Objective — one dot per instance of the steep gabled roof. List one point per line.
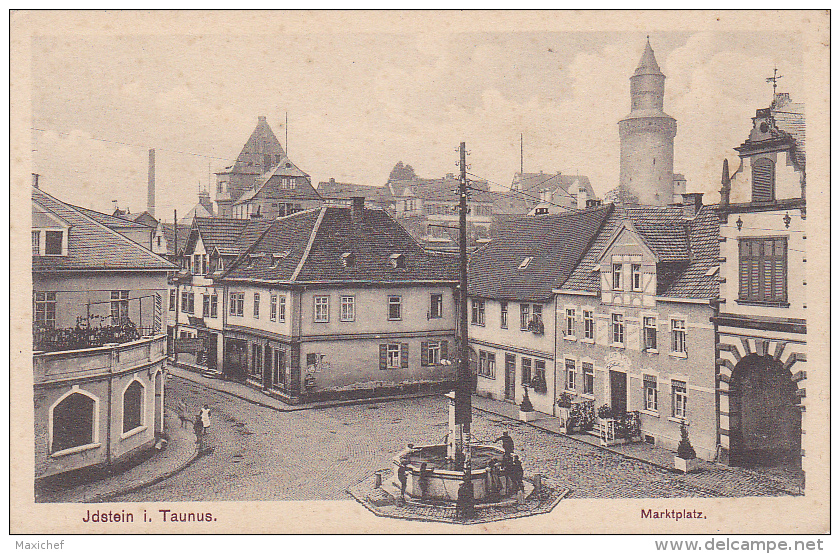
(308, 247)
(262, 142)
(92, 246)
(686, 249)
(532, 183)
(345, 191)
(269, 185)
(554, 244)
(217, 232)
(110, 221)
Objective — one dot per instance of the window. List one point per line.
(185, 301)
(256, 305)
(570, 375)
(432, 353)
(524, 316)
(132, 407)
(272, 307)
(173, 299)
(436, 307)
(649, 333)
(256, 361)
(348, 259)
(588, 325)
(539, 372)
(53, 245)
(394, 308)
(205, 305)
(537, 313)
(503, 322)
(396, 356)
(636, 276)
(45, 309)
(348, 308)
(763, 269)
(197, 265)
(73, 422)
(237, 304)
(679, 399)
(651, 393)
(678, 336)
(525, 262)
(191, 302)
(281, 309)
(526, 371)
(588, 378)
(214, 305)
(36, 243)
(570, 323)
(763, 180)
(322, 309)
(119, 306)
(487, 364)
(616, 271)
(477, 311)
(618, 328)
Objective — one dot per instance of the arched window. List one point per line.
(763, 180)
(73, 422)
(133, 406)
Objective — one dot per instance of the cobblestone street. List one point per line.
(262, 454)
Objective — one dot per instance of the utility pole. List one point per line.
(177, 290)
(463, 387)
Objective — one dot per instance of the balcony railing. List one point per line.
(89, 362)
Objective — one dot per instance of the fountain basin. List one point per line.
(443, 478)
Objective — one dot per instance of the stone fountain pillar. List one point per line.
(454, 439)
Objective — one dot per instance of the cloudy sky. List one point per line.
(359, 102)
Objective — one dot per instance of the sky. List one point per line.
(357, 103)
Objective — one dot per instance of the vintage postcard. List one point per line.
(420, 272)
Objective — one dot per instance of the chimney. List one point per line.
(150, 199)
(692, 202)
(260, 118)
(332, 180)
(35, 177)
(357, 212)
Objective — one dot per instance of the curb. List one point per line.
(105, 497)
(291, 408)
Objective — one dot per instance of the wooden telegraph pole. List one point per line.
(463, 388)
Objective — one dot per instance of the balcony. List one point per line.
(52, 367)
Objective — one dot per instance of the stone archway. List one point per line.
(765, 420)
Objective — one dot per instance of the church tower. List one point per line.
(647, 139)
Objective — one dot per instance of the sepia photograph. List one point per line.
(413, 272)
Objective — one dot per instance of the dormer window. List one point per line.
(763, 180)
(53, 243)
(525, 262)
(348, 259)
(397, 261)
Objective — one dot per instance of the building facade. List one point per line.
(99, 348)
(339, 301)
(761, 327)
(512, 304)
(634, 323)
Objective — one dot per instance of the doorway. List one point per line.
(510, 377)
(268, 366)
(618, 392)
(765, 421)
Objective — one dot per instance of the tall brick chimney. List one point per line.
(692, 202)
(150, 199)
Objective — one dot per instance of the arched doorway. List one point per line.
(765, 421)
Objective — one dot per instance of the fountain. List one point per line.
(436, 471)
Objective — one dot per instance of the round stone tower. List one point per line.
(647, 138)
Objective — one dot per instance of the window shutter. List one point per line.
(744, 269)
(763, 177)
(780, 271)
(444, 350)
(383, 356)
(404, 354)
(424, 354)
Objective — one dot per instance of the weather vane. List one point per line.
(774, 79)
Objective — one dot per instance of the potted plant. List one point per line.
(526, 409)
(564, 402)
(686, 459)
